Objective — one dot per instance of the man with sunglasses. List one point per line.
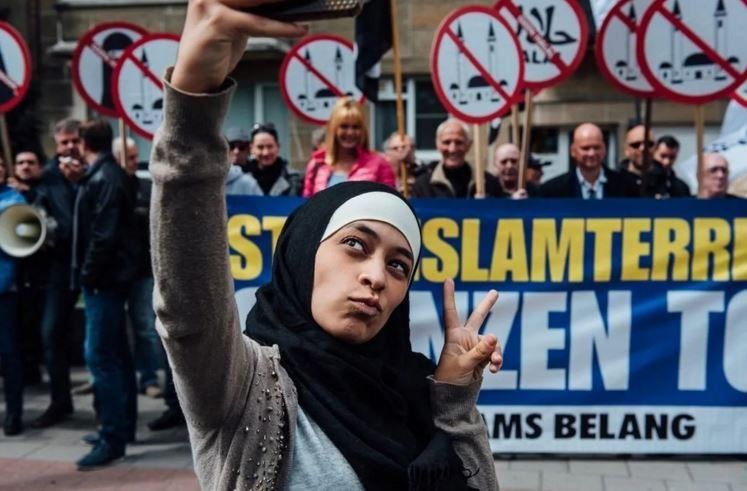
(640, 167)
(239, 147)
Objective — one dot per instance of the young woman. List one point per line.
(323, 390)
(270, 170)
(346, 155)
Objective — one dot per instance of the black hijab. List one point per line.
(372, 399)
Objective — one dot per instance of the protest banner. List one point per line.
(622, 332)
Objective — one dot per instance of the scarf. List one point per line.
(266, 176)
(372, 399)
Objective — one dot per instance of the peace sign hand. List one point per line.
(466, 353)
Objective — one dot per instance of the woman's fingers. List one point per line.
(254, 25)
(451, 316)
(482, 353)
(481, 312)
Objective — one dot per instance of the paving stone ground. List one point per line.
(44, 460)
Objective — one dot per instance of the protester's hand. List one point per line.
(214, 39)
(19, 186)
(72, 168)
(466, 353)
(520, 194)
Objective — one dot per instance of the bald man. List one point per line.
(651, 178)
(588, 178)
(507, 161)
(451, 177)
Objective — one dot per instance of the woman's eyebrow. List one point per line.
(374, 236)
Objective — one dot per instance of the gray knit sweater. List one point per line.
(241, 406)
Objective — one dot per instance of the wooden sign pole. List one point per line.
(398, 89)
(526, 138)
(647, 153)
(479, 163)
(7, 154)
(515, 124)
(699, 124)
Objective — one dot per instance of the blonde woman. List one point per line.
(346, 155)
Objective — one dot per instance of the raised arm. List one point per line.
(194, 296)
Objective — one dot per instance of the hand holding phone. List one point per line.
(307, 10)
(214, 39)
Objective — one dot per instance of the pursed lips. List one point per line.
(368, 305)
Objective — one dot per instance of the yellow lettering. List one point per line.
(471, 270)
(633, 249)
(247, 264)
(671, 238)
(567, 251)
(711, 239)
(509, 251)
(603, 230)
(274, 225)
(446, 263)
(739, 265)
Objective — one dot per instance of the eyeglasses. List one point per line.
(638, 144)
(264, 128)
(242, 146)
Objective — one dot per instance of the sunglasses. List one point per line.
(638, 144)
(242, 146)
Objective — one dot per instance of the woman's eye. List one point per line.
(354, 243)
(401, 267)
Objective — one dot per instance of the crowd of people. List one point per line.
(96, 213)
(97, 210)
(342, 152)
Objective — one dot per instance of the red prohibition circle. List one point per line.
(441, 32)
(662, 89)
(85, 40)
(293, 53)
(582, 42)
(737, 96)
(24, 87)
(117, 71)
(599, 52)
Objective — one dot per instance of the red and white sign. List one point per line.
(693, 51)
(552, 34)
(138, 90)
(616, 48)
(95, 59)
(15, 68)
(315, 73)
(476, 64)
(740, 95)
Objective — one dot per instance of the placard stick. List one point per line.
(479, 163)
(646, 130)
(123, 148)
(7, 155)
(398, 89)
(515, 124)
(526, 137)
(699, 123)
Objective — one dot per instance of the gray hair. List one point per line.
(67, 125)
(117, 144)
(465, 128)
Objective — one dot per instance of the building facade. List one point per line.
(53, 27)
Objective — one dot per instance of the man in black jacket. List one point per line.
(588, 178)
(56, 195)
(104, 263)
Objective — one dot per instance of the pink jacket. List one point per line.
(369, 167)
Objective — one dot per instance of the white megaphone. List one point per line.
(23, 230)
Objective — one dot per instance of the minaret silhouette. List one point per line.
(677, 53)
(631, 65)
(114, 44)
(338, 68)
(460, 35)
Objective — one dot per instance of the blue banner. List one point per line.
(623, 322)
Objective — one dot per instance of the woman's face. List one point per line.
(265, 149)
(361, 274)
(349, 134)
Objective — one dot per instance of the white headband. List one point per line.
(382, 207)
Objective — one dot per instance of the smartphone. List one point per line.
(307, 10)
